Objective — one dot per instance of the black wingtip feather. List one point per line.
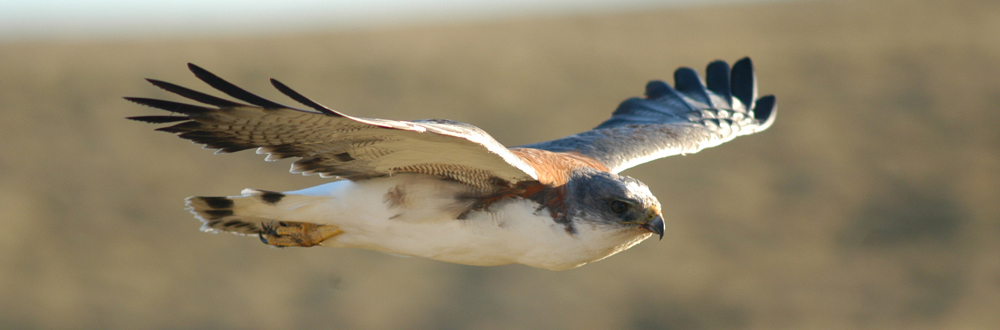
(187, 126)
(656, 89)
(717, 79)
(170, 105)
(194, 95)
(157, 119)
(765, 110)
(686, 81)
(284, 89)
(232, 90)
(744, 82)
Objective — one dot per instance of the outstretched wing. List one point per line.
(680, 120)
(334, 144)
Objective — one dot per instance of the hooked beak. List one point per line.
(655, 226)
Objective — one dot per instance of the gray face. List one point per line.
(611, 199)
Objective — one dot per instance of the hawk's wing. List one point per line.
(679, 120)
(333, 144)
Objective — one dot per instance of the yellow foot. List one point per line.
(291, 233)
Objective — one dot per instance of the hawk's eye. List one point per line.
(618, 206)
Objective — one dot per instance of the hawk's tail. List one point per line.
(247, 214)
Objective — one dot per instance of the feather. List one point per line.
(232, 90)
(187, 109)
(744, 82)
(157, 119)
(717, 77)
(688, 83)
(302, 99)
(195, 95)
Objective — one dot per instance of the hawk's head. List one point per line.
(612, 201)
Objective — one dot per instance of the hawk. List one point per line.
(447, 190)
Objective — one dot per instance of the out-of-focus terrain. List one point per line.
(872, 203)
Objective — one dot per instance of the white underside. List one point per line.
(422, 223)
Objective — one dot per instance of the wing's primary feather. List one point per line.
(333, 144)
(688, 83)
(671, 121)
(194, 95)
(302, 99)
(233, 90)
(717, 76)
(744, 83)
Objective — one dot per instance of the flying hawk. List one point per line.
(447, 190)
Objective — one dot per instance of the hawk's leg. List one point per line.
(291, 233)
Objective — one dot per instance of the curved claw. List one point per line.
(266, 229)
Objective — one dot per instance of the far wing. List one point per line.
(334, 144)
(680, 120)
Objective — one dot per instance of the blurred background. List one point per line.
(872, 203)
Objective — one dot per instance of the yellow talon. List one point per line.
(291, 233)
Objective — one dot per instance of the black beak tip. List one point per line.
(656, 226)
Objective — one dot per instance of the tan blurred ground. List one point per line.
(871, 204)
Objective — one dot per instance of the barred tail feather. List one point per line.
(245, 215)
